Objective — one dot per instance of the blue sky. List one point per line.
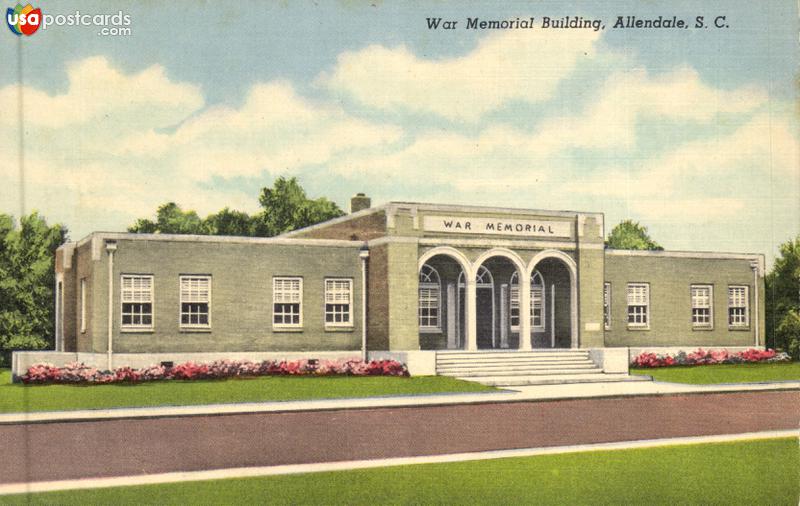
(692, 132)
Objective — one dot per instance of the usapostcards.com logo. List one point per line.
(23, 20)
(27, 20)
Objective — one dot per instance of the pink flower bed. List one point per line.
(81, 373)
(708, 357)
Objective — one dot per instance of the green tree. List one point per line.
(230, 222)
(783, 291)
(630, 234)
(171, 219)
(27, 276)
(286, 207)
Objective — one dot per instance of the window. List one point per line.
(195, 301)
(338, 302)
(702, 306)
(537, 302)
(513, 309)
(638, 305)
(607, 306)
(738, 310)
(429, 299)
(83, 305)
(287, 302)
(137, 302)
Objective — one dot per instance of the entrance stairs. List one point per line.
(519, 368)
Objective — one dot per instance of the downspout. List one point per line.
(363, 254)
(111, 247)
(755, 267)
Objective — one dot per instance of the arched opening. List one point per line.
(440, 324)
(493, 302)
(558, 328)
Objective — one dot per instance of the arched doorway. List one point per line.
(493, 308)
(439, 321)
(560, 300)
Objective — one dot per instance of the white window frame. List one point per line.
(333, 291)
(140, 327)
(83, 305)
(433, 289)
(700, 301)
(536, 287)
(607, 305)
(633, 303)
(743, 324)
(299, 302)
(513, 305)
(189, 277)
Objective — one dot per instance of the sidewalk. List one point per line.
(518, 394)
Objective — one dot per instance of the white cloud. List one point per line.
(518, 64)
(500, 157)
(100, 94)
(609, 121)
(123, 143)
(681, 183)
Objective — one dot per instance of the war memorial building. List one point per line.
(432, 285)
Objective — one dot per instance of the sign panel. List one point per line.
(497, 226)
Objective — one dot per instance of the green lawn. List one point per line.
(725, 373)
(750, 472)
(15, 397)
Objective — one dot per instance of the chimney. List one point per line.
(359, 202)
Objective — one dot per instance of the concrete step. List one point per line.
(511, 381)
(525, 373)
(515, 368)
(512, 353)
(512, 361)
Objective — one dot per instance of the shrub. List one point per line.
(81, 373)
(789, 332)
(708, 357)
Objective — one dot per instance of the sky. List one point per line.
(692, 132)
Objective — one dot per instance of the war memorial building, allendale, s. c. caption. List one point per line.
(436, 286)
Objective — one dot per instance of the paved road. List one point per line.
(54, 451)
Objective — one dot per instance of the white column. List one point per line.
(452, 335)
(524, 312)
(472, 325)
(504, 316)
(552, 315)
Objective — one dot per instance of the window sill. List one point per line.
(634, 327)
(429, 330)
(702, 329)
(190, 330)
(125, 330)
(339, 328)
(739, 328)
(287, 329)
